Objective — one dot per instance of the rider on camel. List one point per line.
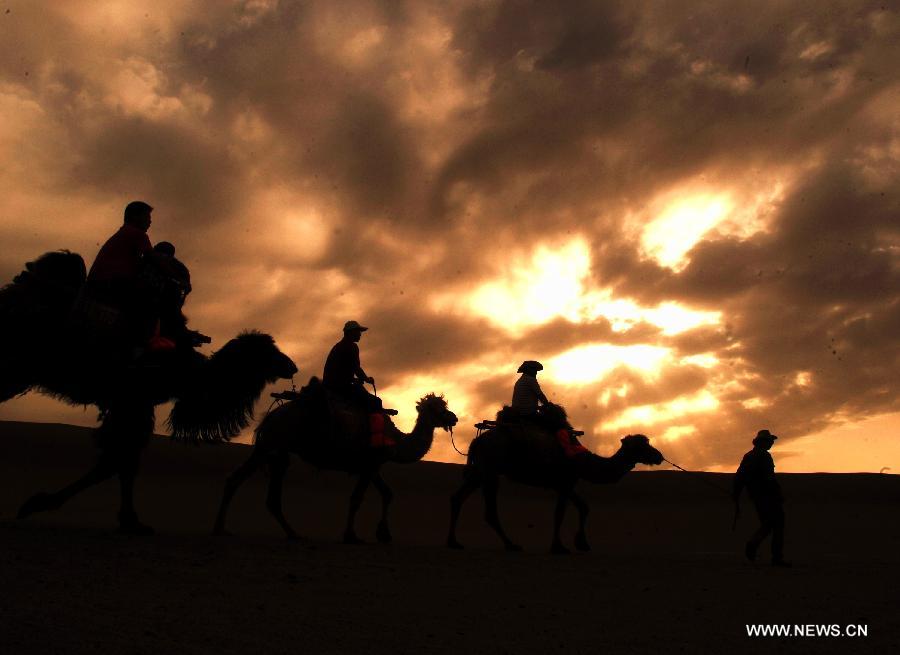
(528, 401)
(115, 270)
(170, 283)
(345, 377)
(115, 276)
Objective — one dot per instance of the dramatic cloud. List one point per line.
(687, 211)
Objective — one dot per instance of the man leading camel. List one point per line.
(345, 377)
(757, 473)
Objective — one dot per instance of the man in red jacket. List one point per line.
(115, 277)
(116, 267)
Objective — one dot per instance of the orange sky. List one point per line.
(689, 218)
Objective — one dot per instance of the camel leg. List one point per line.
(278, 466)
(470, 484)
(42, 502)
(356, 498)
(489, 490)
(128, 519)
(581, 542)
(383, 533)
(232, 484)
(558, 514)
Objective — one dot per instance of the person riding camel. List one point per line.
(529, 401)
(115, 269)
(115, 276)
(345, 377)
(527, 394)
(170, 283)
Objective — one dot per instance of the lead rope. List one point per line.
(697, 475)
(453, 443)
(737, 507)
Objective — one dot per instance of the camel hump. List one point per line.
(61, 267)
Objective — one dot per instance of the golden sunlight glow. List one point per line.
(553, 283)
(681, 224)
(677, 431)
(590, 363)
(704, 360)
(298, 232)
(643, 415)
(403, 395)
(674, 319)
(619, 392)
(534, 292)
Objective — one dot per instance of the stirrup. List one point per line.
(389, 412)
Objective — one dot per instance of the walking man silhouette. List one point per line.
(757, 473)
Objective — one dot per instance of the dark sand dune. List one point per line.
(666, 574)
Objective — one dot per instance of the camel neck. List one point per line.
(606, 469)
(415, 445)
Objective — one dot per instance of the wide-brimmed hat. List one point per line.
(764, 435)
(530, 365)
(349, 326)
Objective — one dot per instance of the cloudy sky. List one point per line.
(688, 211)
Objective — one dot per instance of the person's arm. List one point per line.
(540, 393)
(359, 373)
(144, 247)
(740, 480)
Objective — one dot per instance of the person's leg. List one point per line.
(765, 528)
(777, 514)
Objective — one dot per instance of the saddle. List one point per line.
(355, 420)
(553, 422)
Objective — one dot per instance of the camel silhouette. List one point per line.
(531, 454)
(334, 436)
(44, 349)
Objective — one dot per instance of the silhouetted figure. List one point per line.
(530, 404)
(116, 267)
(532, 456)
(168, 282)
(527, 393)
(117, 278)
(757, 473)
(344, 376)
(336, 442)
(42, 350)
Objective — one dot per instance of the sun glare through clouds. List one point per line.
(590, 363)
(551, 284)
(556, 282)
(681, 224)
(641, 416)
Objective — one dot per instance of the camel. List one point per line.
(336, 439)
(42, 348)
(532, 455)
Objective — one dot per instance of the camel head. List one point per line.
(254, 355)
(433, 409)
(637, 448)
(218, 402)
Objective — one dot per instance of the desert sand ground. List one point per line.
(666, 574)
